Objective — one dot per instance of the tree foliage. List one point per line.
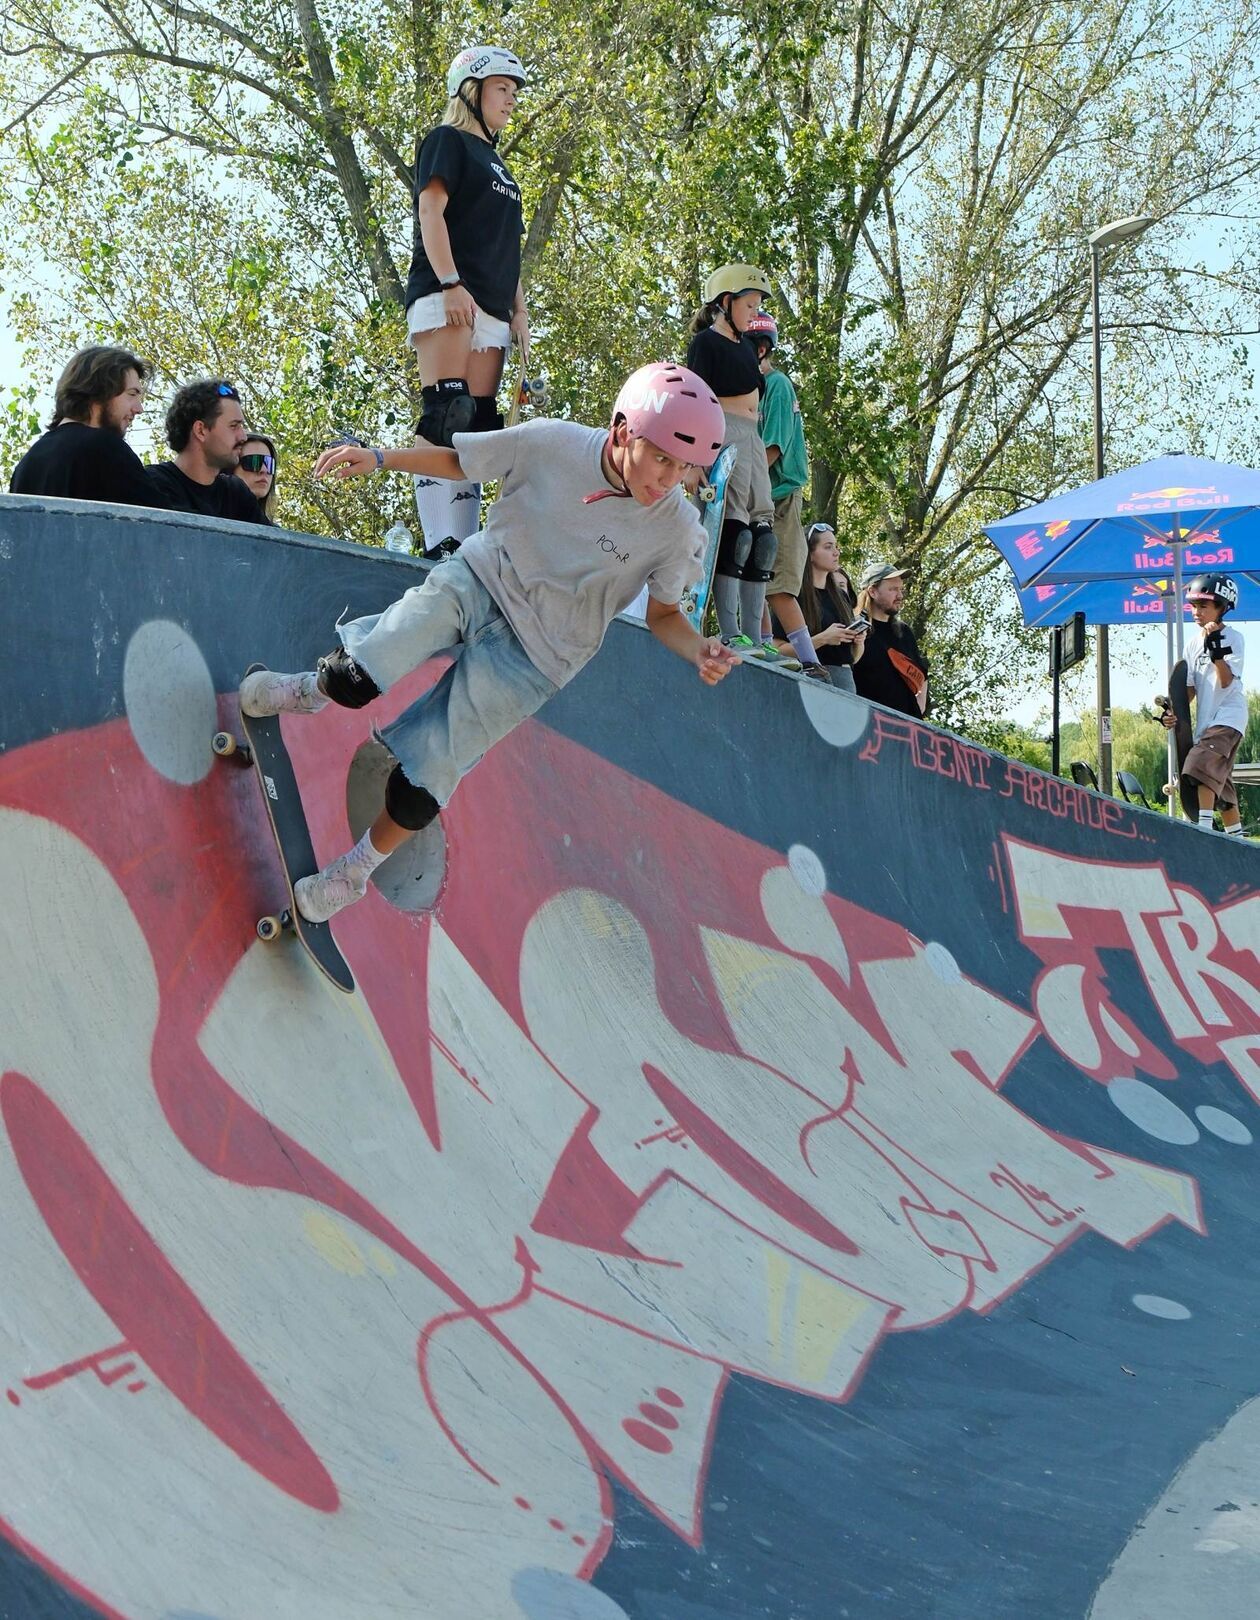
(228, 190)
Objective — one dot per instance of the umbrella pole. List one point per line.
(1171, 745)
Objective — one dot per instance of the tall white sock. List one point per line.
(1205, 818)
(447, 510)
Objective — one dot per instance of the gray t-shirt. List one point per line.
(1215, 705)
(561, 569)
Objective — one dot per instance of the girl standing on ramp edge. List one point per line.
(526, 602)
(464, 299)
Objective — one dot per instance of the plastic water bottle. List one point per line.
(399, 539)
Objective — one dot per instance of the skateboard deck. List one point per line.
(270, 758)
(711, 499)
(1178, 704)
(526, 390)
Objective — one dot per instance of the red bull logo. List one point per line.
(1173, 499)
(1196, 561)
(1058, 527)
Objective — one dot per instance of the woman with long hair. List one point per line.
(826, 603)
(256, 469)
(465, 304)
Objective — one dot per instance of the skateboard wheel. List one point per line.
(226, 746)
(269, 928)
(707, 493)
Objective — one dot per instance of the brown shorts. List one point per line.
(1211, 760)
(789, 564)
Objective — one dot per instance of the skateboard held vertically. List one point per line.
(1177, 703)
(527, 390)
(264, 749)
(711, 497)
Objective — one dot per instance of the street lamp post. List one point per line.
(1119, 230)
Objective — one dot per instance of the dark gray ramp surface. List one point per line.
(721, 1202)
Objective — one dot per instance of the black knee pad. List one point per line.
(448, 409)
(487, 418)
(410, 806)
(734, 548)
(341, 679)
(764, 548)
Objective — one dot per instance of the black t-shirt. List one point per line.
(227, 497)
(729, 368)
(483, 219)
(874, 674)
(84, 463)
(827, 616)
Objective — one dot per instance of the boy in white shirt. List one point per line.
(526, 602)
(1214, 668)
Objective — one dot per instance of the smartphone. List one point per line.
(861, 623)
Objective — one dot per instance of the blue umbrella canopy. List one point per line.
(1123, 526)
(1123, 601)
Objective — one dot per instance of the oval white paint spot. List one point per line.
(1170, 1310)
(807, 869)
(169, 697)
(838, 718)
(942, 963)
(1152, 1112)
(548, 1594)
(1223, 1125)
(1215, 1544)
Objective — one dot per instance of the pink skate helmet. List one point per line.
(673, 409)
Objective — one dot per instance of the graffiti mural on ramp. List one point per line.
(718, 1203)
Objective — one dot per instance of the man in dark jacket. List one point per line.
(205, 427)
(85, 455)
(892, 670)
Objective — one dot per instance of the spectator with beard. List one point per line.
(84, 455)
(892, 670)
(205, 427)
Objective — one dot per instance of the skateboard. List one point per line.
(1177, 703)
(711, 497)
(264, 749)
(531, 391)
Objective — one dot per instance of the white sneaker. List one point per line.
(266, 692)
(326, 893)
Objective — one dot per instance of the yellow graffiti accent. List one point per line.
(739, 969)
(807, 1323)
(333, 1243)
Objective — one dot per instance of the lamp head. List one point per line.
(1119, 230)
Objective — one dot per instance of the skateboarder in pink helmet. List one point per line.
(524, 603)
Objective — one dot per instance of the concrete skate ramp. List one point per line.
(800, 1166)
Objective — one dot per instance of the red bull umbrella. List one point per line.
(1166, 519)
(1124, 601)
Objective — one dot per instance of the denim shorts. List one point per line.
(491, 687)
(428, 314)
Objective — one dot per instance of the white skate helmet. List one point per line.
(484, 62)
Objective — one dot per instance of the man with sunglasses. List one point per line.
(205, 427)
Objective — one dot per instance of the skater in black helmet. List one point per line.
(1214, 681)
